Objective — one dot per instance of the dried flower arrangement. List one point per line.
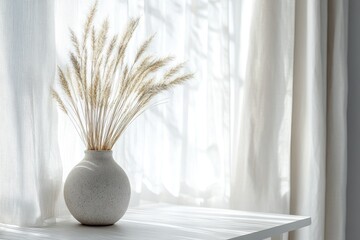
(102, 92)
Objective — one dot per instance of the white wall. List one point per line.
(353, 185)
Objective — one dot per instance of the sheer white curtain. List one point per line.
(261, 127)
(30, 167)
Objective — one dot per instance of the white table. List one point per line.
(170, 222)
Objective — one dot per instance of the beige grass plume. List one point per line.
(101, 92)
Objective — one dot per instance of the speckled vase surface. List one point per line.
(97, 190)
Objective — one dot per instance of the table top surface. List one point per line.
(169, 222)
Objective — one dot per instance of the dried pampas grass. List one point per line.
(101, 92)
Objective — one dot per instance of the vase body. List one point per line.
(97, 190)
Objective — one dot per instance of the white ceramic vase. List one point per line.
(97, 190)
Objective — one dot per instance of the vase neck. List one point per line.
(95, 155)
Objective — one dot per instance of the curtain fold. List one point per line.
(261, 158)
(318, 147)
(30, 167)
(261, 127)
(308, 146)
(336, 151)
